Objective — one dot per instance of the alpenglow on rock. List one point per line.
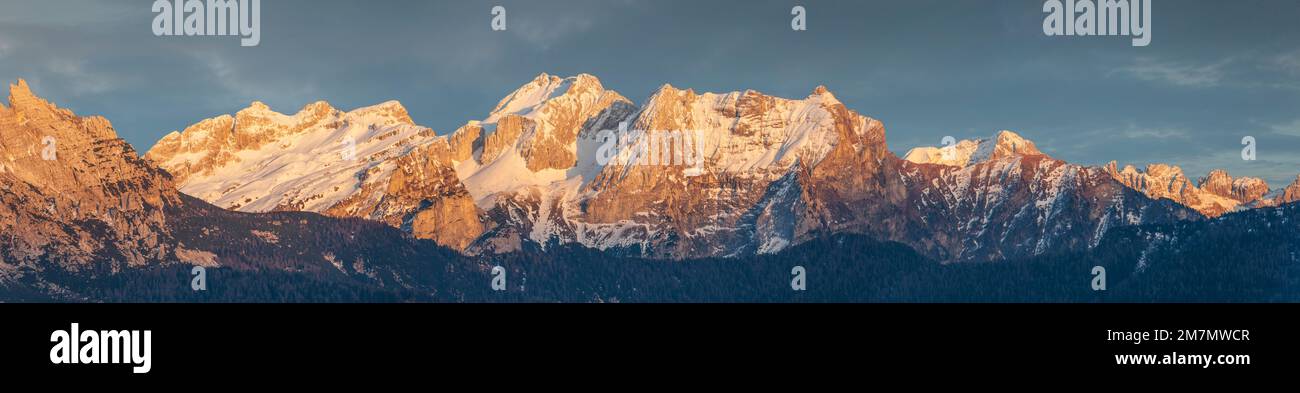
(775, 172)
(372, 163)
(72, 192)
(78, 207)
(1213, 196)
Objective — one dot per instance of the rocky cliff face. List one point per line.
(1244, 190)
(1010, 201)
(1213, 196)
(74, 192)
(1281, 196)
(422, 196)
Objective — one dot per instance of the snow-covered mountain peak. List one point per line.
(823, 95)
(544, 78)
(668, 91)
(970, 152)
(1005, 144)
(586, 82)
(531, 138)
(1015, 143)
(259, 119)
(246, 161)
(261, 109)
(748, 133)
(528, 98)
(387, 113)
(258, 107)
(957, 155)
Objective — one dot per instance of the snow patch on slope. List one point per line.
(310, 170)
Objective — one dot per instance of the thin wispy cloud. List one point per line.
(71, 13)
(1134, 132)
(1288, 62)
(233, 82)
(545, 33)
(1176, 73)
(80, 78)
(1291, 128)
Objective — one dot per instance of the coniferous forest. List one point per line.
(1245, 257)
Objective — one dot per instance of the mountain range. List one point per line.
(774, 176)
(370, 204)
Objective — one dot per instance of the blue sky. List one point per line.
(1214, 72)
